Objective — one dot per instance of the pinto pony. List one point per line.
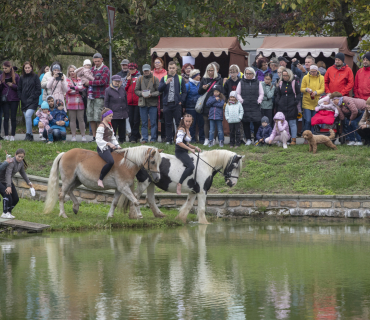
(171, 170)
(80, 166)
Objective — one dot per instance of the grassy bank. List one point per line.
(265, 169)
(91, 217)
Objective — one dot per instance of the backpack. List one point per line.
(180, 80)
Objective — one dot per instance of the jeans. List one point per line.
(307, 114)
(213, 124)
(28, 116)
(152, 112)
(171, 111)
(54, 135)
(293, 128)
(353, 126)
(197, 120)
(9, 106)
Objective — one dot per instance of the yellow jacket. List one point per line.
(317, 84)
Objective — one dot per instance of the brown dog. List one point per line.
(314, 140)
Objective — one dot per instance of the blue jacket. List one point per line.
(192, 95)
(264, 132)
(216, 111)
(163, 87)
(275, 77)
(58, 115)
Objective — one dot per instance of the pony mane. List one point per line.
(217, 158)
(137, 155)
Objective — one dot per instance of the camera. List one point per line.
(60, 75)
(295, 63)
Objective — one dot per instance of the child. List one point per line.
(326, 104)
(215, 116)
(58, 115)
(264, 131)
(7, 188)
(234, 114)
(280, 133)
(44, 117)
(85, 74)
(268, 97)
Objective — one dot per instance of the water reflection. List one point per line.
(227, 270)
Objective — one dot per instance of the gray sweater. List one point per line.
(11, 169)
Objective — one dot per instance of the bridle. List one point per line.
(227, 172)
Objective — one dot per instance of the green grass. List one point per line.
(92, 217)
(265, 169)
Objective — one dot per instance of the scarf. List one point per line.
(195, 82)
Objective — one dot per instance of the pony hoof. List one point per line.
(136, 203)
(160, 215)
(64, 216)
(204, 222)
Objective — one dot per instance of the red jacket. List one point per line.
(362, 83)
(339, 80)
(132, 98)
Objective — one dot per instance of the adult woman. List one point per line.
(286, 101)
(262, 69)
(116, 100)
(29, 90)
(364, 125)
(250, 94)
(107, 142)
(159, 72)
(7, 188)
(57, 84)
(211, 80)
(42, 72)
(192, 96)
(183, 146)
(45, 79)
(351, 111)
(313, 86)
(9, 87)
(74, 103)
(185, 71)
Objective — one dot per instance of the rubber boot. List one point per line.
(30, 137)
(294, 142)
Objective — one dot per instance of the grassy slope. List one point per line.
(265, 169)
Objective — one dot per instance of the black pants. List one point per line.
(106, 155)
(188, 163)
(119, 124)
(171, 111)
(10, 106)
(134, 119)
(364, 134)
(267, 113)
(234, 134)
(247, 129)
(9, 200)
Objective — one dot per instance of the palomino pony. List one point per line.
(80, 166)
(171, 170)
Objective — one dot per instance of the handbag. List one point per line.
(200, 101)
(4, 97)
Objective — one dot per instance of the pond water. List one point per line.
(226, 270)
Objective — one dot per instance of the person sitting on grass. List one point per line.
(107, 142)
(58, 123)
(264, 131)
(280, 133)
(7, 188)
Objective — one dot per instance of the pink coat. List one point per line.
(84, 74)
(279, 127)
(58, 89)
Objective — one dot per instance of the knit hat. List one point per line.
(194, 73)
(265, 119)
(283, 59)
(87, 61)
(55, 66)
(59, 102)
(97, 55)
(340, 56)
(125, 61)
(116, 78)
(132, 65)
(367, 56)
(314, 67)
(146, 67)
(44, 105)
(233, 94)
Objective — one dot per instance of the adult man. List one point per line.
(283, 61)
(339, 77)
(174, 95)
(99, 84)
(362, 80)
(274, 66)
(124, 72)
(299, 70)
(147, 103)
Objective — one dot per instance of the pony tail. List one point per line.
(25, 164)
(182, 121)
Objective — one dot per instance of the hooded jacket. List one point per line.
(29, 90)
(268, 97)
(132, 98)
(216, 108)
(349, 107)
(264, 132)
(317, 84)
(340, 80)
(260, 74)
(279, 127)
(362, 83)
